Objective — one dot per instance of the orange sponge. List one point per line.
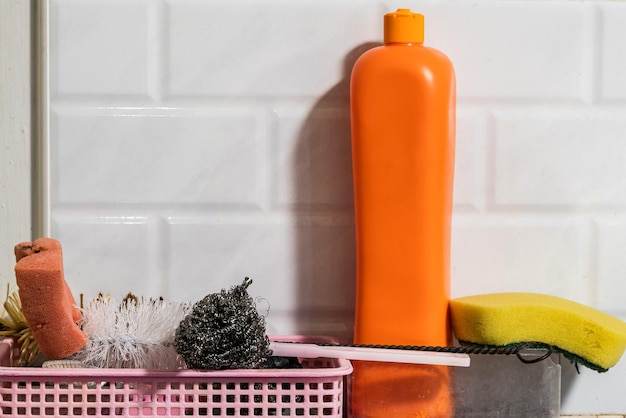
(47, 301)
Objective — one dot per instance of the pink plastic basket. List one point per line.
(315, 390)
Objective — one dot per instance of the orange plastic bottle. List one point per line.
(403, 134)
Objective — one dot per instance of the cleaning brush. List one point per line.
(133, 333)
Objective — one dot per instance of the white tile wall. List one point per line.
(194, 143)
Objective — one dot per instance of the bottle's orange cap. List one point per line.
(404, 26)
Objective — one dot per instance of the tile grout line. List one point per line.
(590, 75)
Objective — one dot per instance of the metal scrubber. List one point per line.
(224, 331)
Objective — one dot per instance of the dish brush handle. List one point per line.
(301, 350)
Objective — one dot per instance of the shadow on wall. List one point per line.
(325, 238)
(569, 374)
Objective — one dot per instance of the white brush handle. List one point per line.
(370, 354)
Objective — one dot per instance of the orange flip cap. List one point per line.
(404, 26)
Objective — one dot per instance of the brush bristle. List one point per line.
(131, 334)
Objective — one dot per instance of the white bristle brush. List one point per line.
(134, 333)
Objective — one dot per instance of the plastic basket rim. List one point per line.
(343, 368)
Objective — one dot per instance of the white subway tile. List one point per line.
(109, 254)
(297, 265)
(100, 48)
(336, 323)
(517, 253)
(207, 254)
(510, 50)
(552, 158)
(264, 49)
(130, 156)
(611, 263)
(313, 167)
(470, 160)
(586, 391)
(613, 50)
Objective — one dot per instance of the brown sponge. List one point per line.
(47, 301)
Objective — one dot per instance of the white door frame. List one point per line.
(23, 127)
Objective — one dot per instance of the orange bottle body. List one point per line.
(403, 138)
(403, 130)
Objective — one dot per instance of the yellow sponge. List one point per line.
(583, 334)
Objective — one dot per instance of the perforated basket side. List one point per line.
(315, 390)
(173, 398)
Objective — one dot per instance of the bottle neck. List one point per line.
(403, 44)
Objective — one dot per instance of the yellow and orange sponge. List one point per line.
(583, 334)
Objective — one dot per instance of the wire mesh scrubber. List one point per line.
(224, 331)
